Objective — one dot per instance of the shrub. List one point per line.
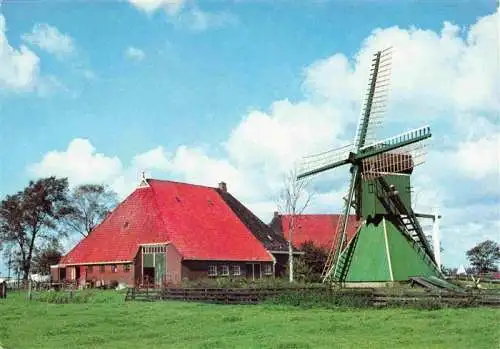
(321, 297)
(64, 297)
(225, 282)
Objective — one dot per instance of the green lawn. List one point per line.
(109, 322)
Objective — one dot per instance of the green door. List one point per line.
(159, 268)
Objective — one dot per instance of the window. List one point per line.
(114, 268)
(101, 268)
(212, 270)
(126, 268)
(236, 270)
(224, 270)
(89, 269)
(268, 269)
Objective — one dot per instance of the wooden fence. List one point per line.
(374, 297)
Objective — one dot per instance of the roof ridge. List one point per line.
(182, 183)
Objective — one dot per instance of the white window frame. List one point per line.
(224, 270)
(212, 270)
(268, 269)
(236, 269)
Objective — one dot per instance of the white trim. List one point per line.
(387, 250)
(155, 243)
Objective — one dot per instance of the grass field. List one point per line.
(108, 322)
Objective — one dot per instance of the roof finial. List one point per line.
(144, 181)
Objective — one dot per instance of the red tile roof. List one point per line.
(195, 219)
(318, 228)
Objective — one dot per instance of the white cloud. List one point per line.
(79, 162)
(170, 6)
(460, 74)
(134, 53)
(19, 68)
(199, 20)
(186, 14)
(50, 39)
(154, 159)
(479, 159)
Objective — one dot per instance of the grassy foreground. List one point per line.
(108, 322)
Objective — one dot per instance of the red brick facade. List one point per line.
(96, 275)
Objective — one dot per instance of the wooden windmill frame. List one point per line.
(379, 192)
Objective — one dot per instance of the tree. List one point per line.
(90, 204)
(310, 265)
(292, 201)
(49, 254)
(484, 256)
(31, 216)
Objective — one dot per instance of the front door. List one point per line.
(148, 275)
(154, 264)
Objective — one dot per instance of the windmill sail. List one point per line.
(317, 163)
(389, 244)
(375, 101)
(403, 153)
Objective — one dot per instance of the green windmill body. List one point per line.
(389, 244)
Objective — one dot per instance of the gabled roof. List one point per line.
(273, 241)
(318, 228)
(195, 219)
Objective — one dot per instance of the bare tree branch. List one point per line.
(292, 200)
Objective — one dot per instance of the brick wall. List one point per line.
(174, 270)
(104, 273)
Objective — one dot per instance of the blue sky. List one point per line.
(217, 90)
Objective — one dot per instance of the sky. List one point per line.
(238, 91)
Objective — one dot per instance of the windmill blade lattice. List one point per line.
(375, 99)
(401, 160)
(317, 162)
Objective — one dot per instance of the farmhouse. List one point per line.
(317, 228)
(168, 231)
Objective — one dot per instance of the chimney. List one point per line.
(276, 214)
(223, 187)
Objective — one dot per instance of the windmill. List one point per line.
(389, 244)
